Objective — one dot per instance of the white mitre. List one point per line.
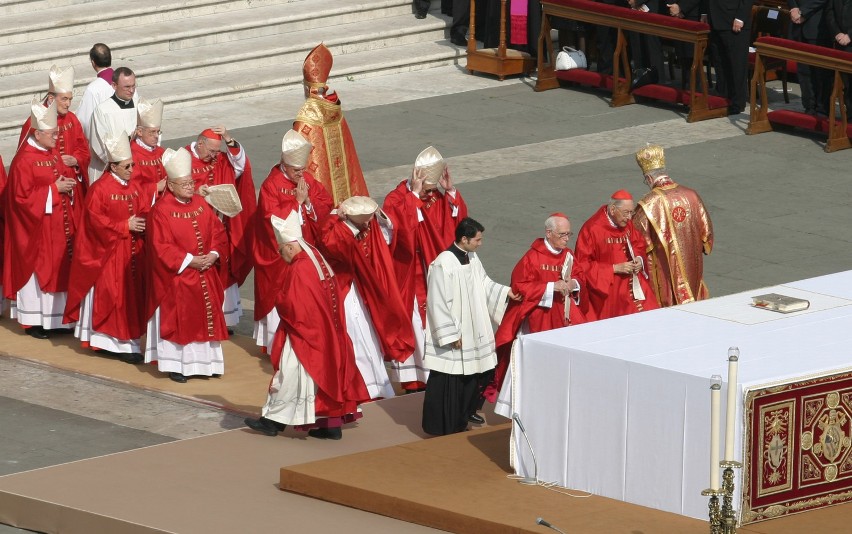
(178, 163)
(118, 147)
(432, 164)
(358, 205)
(149, 113)
(289, 230)
(295, 149)
(61, 80)
(42, 118)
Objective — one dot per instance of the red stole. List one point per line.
(39, 243)
(111, 258)
(190, 302)
(366, 258)
(278, 197)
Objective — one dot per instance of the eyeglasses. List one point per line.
(562, 235)
(626, 213)
(127, 166)
(185, 183)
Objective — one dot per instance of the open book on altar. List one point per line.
(780, 303)
(225, 199)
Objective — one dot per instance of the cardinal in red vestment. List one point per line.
(186, 241)
(71, 144)
(217, 159)
(43, 203)
(677, 229)
(611, 253)
(148, 171)
(288, 187)
(355, 240)
(3, 180)
(316, 386)
(106, 296)
(425, 220)
(334, 161)
(550, 283)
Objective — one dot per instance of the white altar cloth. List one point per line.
(621, 408)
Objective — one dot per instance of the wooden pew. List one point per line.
(624, 20)
(818, 56)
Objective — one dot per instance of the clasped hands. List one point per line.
(136, 224)
(628, 267)
(565, 287)
(202, 263)
(65, 185)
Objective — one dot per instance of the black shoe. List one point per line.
(458, 40)
(476, 418)
(37, 332)
(264, 425)
(131, 357)
(230, 331)
(215, 375)
(326, 433)
(734, 110)
(420, 15)
(177, 377)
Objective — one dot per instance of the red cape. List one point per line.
(71, 142)
(599, 246)
(278, 197)
(367, 259)
(418, 244)
(190, 302)
(240, 234)
(312, 318)
(111, 258)
(3, 180)
(40, 244)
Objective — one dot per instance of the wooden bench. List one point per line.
(625, 20)
(818, 56)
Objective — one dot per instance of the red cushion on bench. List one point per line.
(626, 13)
(798, 119)
(804, 47)
(677, 96)
(585, 77)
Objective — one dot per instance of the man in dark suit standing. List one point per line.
(838, 21)
(807, 27)
(730, 21)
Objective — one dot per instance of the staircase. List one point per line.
(194, 52)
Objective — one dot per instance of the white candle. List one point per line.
(715, 412)
(731, 405)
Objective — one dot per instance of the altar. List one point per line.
(621, 408)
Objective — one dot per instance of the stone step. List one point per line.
(352, 60)
(244, 54)
(219, 28)
(86, 17)
(8, 7)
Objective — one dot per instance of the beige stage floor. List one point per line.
(242, 388)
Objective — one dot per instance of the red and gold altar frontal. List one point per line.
(798, 447)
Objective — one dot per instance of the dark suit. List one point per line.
(813, 81)
(732, 49)
(838, 19)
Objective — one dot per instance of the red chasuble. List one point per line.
(217, 172)
(190, 302)
(148, 169)
(71, 142)
(38, 242)
(3, 181)
(278, 197)
(108, 256)
(311, 313)
(419, 243)
(538, 267)
(600, 245)
(367, 260)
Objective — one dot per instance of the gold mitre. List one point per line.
(432, 164)
(317, 66)
(651, 157)
(60, 80)
(149, 113)
(358, 205)
(42, 118)
(295, 149)
(287, 230)
(118, 147)
(178, 163)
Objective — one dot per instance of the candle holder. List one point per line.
(715, 510)
(729, 515)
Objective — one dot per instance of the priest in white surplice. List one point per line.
(461, 309)
(112, 116)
